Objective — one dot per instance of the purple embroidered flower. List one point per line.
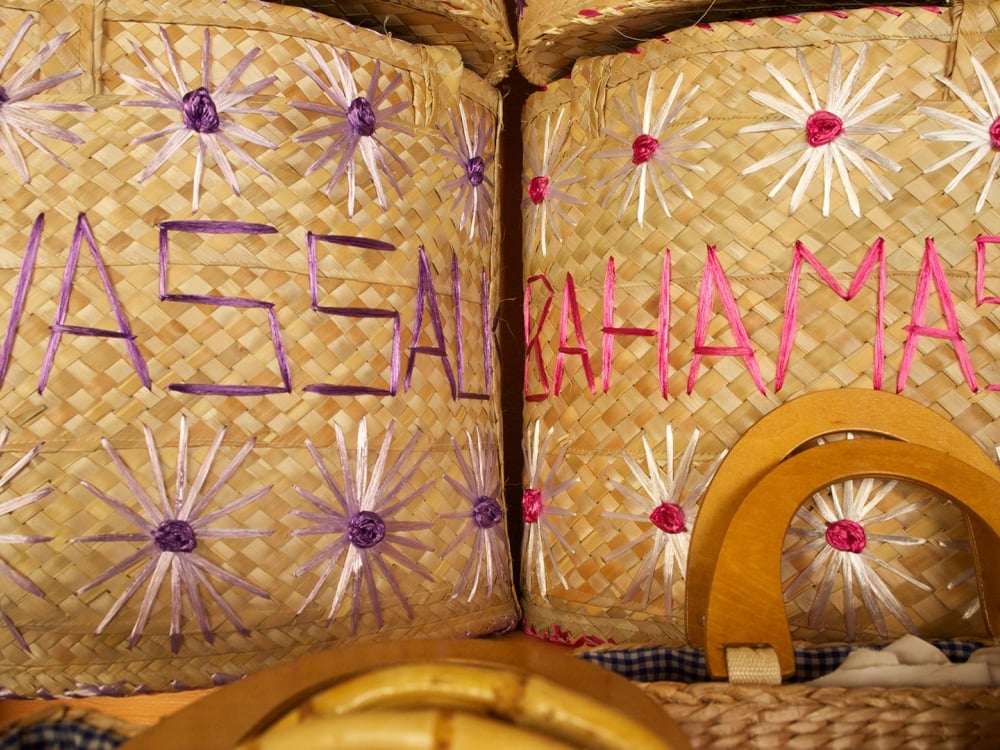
(650, 151)
(471, 148)
(836, 538)
(537, 511)
(6, 508)
(479, 487)
(670, 507)
(365, 534)
(18, 105)
(170, 531)
(360, 118)
(205, 114)
(547, 185)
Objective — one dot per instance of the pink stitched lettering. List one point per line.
(224, 227)
(981, 298)
(533, 347)
(789, 328)
(20, 293)
(427, 296)
(931, 271)
(59, 327)
(714, 281)
(357, 313)
(485, 328)
(609, 329)
(570, 310)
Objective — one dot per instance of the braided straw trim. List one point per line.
(718, 715)
(478, 29)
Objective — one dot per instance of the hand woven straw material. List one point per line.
(137, 552)
(662, 161)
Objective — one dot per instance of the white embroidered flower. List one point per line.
(828, 142)
(981, 135)
(838, 540)
(545, 185)
(536, 510)
(652, 149)
(667, 509)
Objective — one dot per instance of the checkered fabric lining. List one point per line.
(657, 664)
(60, 734)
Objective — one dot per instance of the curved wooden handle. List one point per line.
(778, 434)
(745, 602)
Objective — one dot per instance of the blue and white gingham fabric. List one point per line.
(659, 664)
(60, 734)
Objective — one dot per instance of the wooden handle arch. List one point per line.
(745, 602)
(786, 429)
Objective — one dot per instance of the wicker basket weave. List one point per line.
(261, 378)
(478, 29)
(677, 278)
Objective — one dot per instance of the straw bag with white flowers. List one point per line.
(721, 220)
(247, 382)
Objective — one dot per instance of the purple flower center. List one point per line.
(365, 529)
(531, 505)
(486, 512)
(175, 536)
(199, 112)
(644, 148)
(5, 97)
(822, 127)
(475, 171)
(668, 517)
(361, 117)
(994, 131)
(538, 188)
(846, 535)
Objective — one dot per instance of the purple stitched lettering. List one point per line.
(20, 293)
(485, 328)
(427, 296)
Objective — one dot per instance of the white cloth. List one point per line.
(913, 662)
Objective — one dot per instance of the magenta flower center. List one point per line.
(822, 127)
(475, 171)
(361, 117)
(846, 535)
(365, 529)
(175, 536)
(668, 517)
(531, 505)
(644, 148)
(994, 132)
(198, 111)
(486, 512)
(538, 188)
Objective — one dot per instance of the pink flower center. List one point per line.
(643, 148)
(538, 188)
(995, 133)
(846, 535)
(531, 505)
(822, 127)
(668, 517)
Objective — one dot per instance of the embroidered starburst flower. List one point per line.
(669, 512)
(18, 107)
(204, 114)
(652, 149)
(838, 539)
(7, 507)
(173, 533)
(480, 485)
(365, 534)
(536, 510)
(360, 116)
(472, 149)
(981, 135)
(828, 143)
(545, 186)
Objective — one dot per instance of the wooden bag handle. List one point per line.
(745, 604)
(781, 432)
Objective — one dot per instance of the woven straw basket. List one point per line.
(478, 29)
(728, 218)
(552, 34)
(248, 384)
